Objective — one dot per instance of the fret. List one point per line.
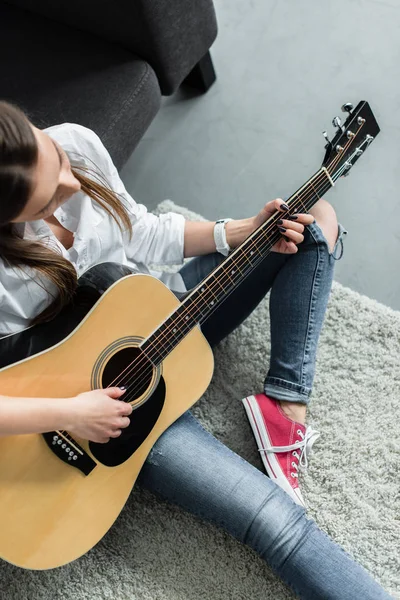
(174, 329)
(217, 283)
(231, 275)
(205, 294)
(243, 258)
(245, 251)
(297, 199)
(235, 273)
(208, 295)
(212, 294)
(315, 192)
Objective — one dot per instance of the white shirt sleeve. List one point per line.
(157, 240)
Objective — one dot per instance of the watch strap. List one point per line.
(221, 244)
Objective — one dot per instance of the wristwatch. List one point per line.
(221, 244)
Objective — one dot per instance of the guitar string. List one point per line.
(145, 359)
(149, 368)
(217, 296)
(270, 241)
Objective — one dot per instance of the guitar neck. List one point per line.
(224, 279)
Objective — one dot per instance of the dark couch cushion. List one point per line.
(171, 35)
(58, 74)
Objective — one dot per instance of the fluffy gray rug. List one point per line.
(156, 552)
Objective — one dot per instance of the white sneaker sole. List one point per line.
(269, 459)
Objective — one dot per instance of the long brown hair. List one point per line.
(18, 158)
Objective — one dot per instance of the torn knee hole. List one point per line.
(337, 251)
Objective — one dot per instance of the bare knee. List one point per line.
(325, 216)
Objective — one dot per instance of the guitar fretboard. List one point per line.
(222, 281)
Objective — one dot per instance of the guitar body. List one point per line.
(51, 511)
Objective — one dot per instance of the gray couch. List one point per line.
(103, 63)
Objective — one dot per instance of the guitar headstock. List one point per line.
(351, 140)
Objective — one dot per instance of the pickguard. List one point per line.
(143, 419)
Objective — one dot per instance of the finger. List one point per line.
(125, 408)
(103, 440)
(294, 225)
(281, 205)
(116, 433)
(269, 208)
(114, 392)
(124, 422)
(291, 248)
(286, 246)
(303, 218)
(272, 206)
(293, 236)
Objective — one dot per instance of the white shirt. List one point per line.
(97, 238)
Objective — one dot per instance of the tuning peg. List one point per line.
(337, 121)
(328, 141)
(348, 107)
(347, 166)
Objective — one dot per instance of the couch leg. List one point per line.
(202, 76)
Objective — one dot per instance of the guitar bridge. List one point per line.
(69, 451)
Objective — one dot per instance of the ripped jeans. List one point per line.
(191, 468)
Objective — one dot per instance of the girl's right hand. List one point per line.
(99, 415)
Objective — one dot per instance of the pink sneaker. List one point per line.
(284, 444)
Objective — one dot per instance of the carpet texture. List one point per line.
(156, 552)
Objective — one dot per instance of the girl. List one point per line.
(57, 221)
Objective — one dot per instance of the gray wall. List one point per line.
(284, 69)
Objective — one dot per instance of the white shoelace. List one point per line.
(305, 444)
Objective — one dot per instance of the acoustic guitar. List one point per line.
(59, 495)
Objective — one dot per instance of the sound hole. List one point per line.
(119, 449)
(131, 368)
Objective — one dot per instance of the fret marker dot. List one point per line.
(212, 302)
(233, 271)
(187, 316)
(252, 252)
(174, 330)
(202, 289)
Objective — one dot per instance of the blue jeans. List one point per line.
(191, 468)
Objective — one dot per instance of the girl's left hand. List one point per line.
(294, 228)
(292, 236)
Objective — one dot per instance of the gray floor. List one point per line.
(284, 69)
